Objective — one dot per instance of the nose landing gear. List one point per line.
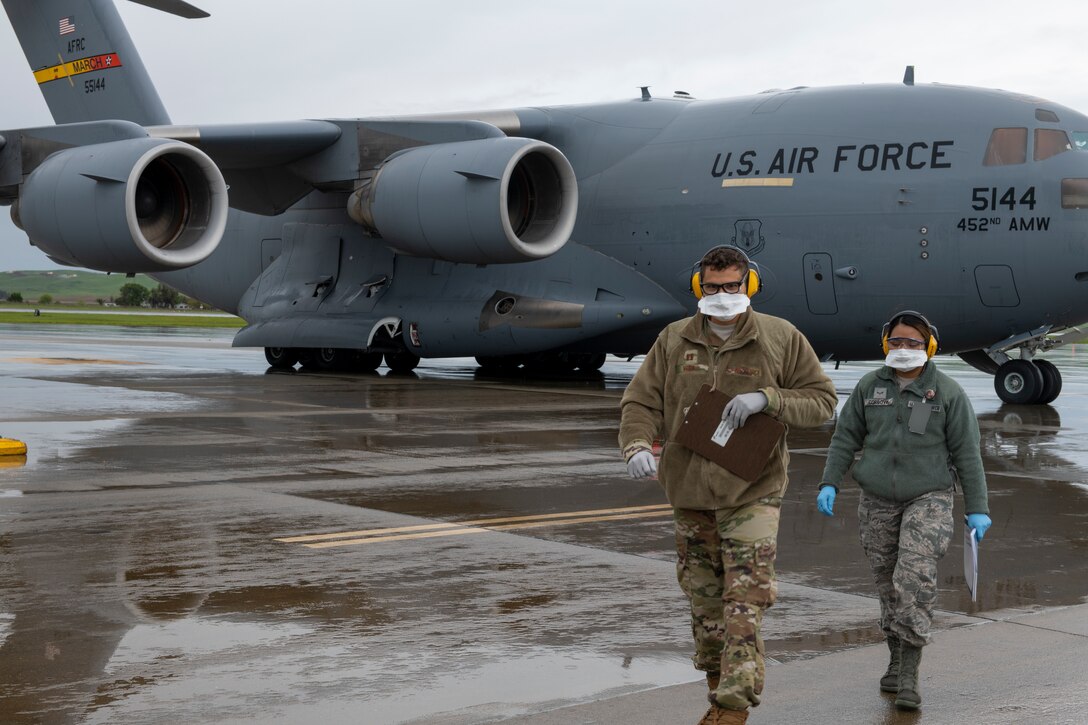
(1025, 380)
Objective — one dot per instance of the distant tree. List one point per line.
(132, 295)
(163, 296)
(46, 299)
(15, 297)
(100, 301)
(3, 295)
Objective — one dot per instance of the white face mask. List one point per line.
(724, 304)
(906, 359)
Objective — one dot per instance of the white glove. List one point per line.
(739, 408)
(642, 465)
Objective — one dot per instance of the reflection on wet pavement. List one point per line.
(150, 575)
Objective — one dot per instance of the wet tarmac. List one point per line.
(193, 538)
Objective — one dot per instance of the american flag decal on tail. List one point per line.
(67, 25)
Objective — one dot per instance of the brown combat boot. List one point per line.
(890, 681)
(908, 697)
(718, 715)
(712, 680)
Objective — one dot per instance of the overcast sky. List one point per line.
(257, 60)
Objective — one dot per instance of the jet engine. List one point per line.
(488, 201)
(137, 205)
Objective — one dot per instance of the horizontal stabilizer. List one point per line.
(174, 7)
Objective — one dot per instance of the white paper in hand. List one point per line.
(722, 434)
(970, 561)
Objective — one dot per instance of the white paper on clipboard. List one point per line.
(970, 561)
(722, 434)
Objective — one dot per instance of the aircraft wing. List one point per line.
(458, 190)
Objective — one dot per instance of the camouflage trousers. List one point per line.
(903, 542)
(726, 568)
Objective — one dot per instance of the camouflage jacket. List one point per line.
(897, 464)
(764, 353)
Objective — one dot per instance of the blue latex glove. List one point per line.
(978, 522)
(642, 465)
(825, 500)
(739, 408)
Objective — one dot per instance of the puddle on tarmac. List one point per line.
(201, 670)
(59, 439)
(195, 637)
(5, 626)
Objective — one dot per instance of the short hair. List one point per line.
(724, 257)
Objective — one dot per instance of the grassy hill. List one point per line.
(74, 286)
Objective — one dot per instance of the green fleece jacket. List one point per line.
(897, 464)
(764, 353)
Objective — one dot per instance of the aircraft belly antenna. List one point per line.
(908, 76)
(645, 92)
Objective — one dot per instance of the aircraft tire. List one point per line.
(307, 358)
(1019, 382)
(333, 358)
(591, 362)
(550, 363)
(401, 361)
(1052, 381)
(367, 362)
(281, 357)
(498, 363)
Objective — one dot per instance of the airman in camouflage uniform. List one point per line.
(917, 434)
(726, 526)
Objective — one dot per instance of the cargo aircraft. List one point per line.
(548, 237)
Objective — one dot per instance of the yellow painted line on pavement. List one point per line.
(506, 523)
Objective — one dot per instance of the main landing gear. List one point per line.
(336, 359)
(1024, 380)
(546, 363)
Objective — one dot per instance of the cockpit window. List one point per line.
(1074, 193)
(1007, 146)
(1042, 114)
(1050, 142)
(1080, 140)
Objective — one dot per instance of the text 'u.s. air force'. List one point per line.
(887, 157)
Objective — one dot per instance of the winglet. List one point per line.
(174, 7)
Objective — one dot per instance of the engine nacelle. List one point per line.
(495, 200)
(138, 205)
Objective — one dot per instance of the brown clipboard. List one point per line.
(748, 448)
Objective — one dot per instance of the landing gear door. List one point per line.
(305, 273)
(820, 284)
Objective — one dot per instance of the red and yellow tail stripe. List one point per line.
(106, 61)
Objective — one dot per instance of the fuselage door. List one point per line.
(820, 284)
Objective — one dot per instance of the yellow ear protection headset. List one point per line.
(751, 267)
(932, 346)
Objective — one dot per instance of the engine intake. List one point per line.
(496, 200)
(138, 205)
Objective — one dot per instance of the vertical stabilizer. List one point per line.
(84, 61)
